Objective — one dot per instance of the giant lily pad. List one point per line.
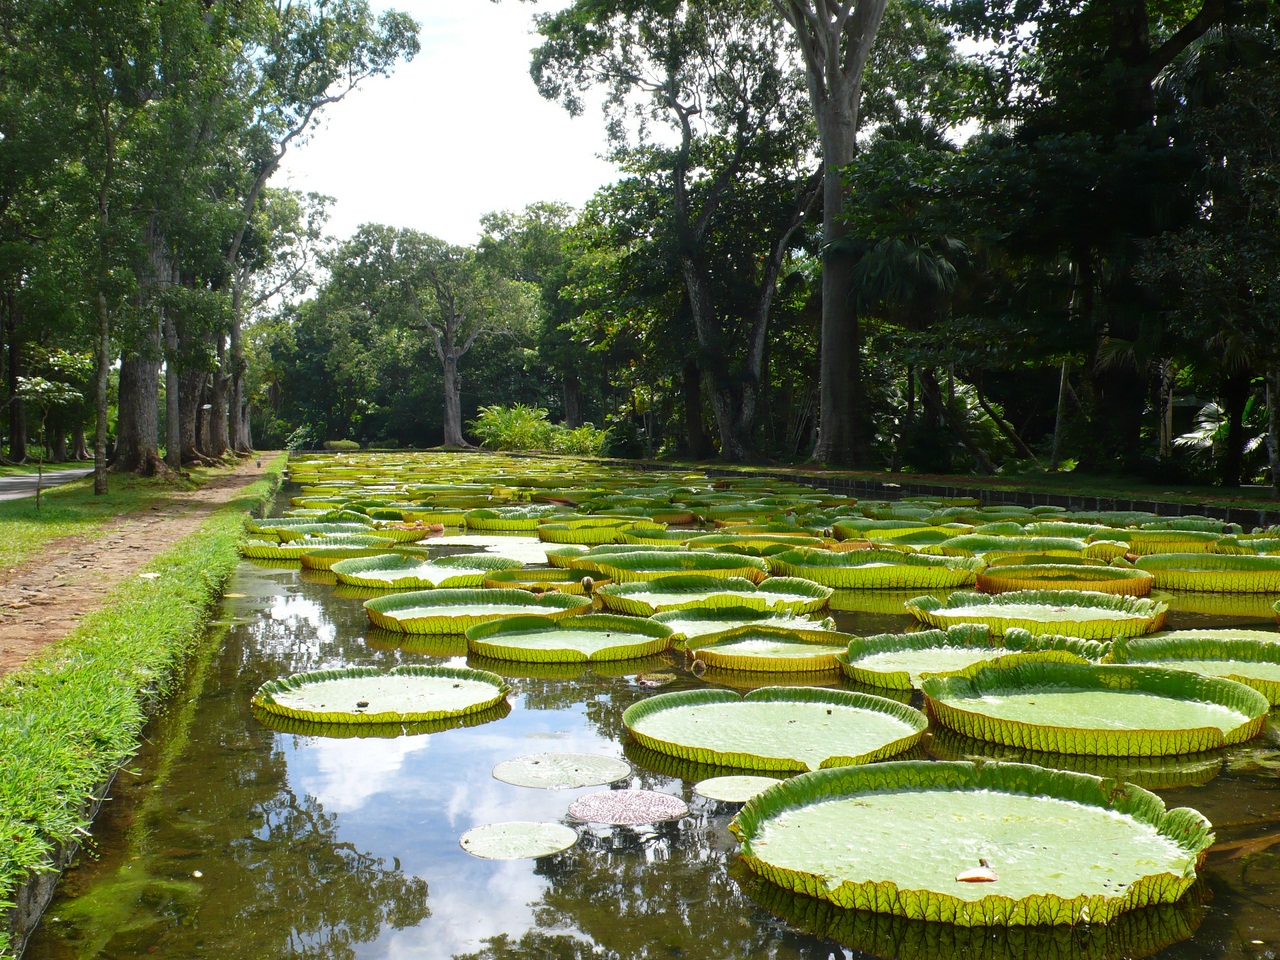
(1251, 657)
(1213, 572)
(398, 572)
(293, 550)
(991, 547)
(518, 840)
(680, 593)
(733, 789)
(522, 519)
(898, 660)
(588, 637)
(766, 649)
(901, 837)
(876, 569)
(658, 565)
(1076, 613)
(1114, 711)
(405, 694)
(687, 624)
(453, 610)
(1065, 576)
(544, 580)
(775, 728)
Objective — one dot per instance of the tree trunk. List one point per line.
(218, 440)
(102, 368)
(699, 445)
(79, 449)
(572, 401)
(16, 369)
(172, 397)
(842, 435)
(202, 421)
(235, 376)
(452, 403)
(1060, 418)
(191, 383)
(1235, 396)
(59, 452)
(138, 426)
(1273, 421)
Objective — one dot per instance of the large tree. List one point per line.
(734, 168)
(432, 292)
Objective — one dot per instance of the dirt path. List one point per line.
(43, 600)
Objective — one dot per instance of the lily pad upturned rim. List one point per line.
(975, 635)
(709, 650)
(996, 677)
(726, 592)
(1185, 827)
(658, 565)
(535, 580)
(352, 572)
(1151, 650)
(875, 569)
(381, 610)
(647, 638)
(638, 711)
(264, 698)
(1143, 614)
(1213, 572)
(1007, 578)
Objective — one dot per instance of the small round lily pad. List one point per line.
(561, 771)
(518, 839)
(627, 807)
(733, 789)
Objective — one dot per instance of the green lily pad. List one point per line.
(681, 593)
(1251, 657)
(875, 569)
(587, 637)
(661, 564)
(562, 771)
(1213, 572)
(767, 649)
(518, 840)
(404, 694)
(775, 728)
(1077, 613)
(899, 660)
(454, 610)
(1063, 848)
(689, 623)
(733, 789)
(1124, 711)
(398, 572)
(544, 580)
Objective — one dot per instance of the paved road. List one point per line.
(15, 488)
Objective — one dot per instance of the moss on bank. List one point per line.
(70, 718)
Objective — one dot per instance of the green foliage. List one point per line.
(521, 427)
(341, 446)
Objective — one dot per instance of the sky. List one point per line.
(455, 134)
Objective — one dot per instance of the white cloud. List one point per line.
(458, 132)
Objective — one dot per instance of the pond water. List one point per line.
(227, 839)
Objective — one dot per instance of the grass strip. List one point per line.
(71, 509)
(71, 717)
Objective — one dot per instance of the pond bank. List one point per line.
(73, 715)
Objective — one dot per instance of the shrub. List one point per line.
(341, 445)
(521, 427)
(305, 437)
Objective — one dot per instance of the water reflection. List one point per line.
(313, 845)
